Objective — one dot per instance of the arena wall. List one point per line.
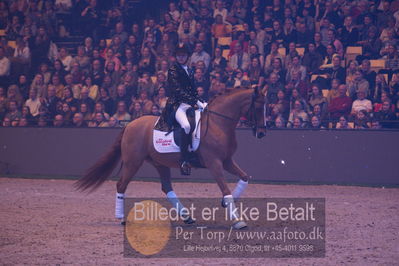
(303, 156)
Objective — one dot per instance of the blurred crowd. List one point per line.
(321, 63)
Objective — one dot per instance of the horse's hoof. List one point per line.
(123, 223)
(189, 220)
(185, 168)
(223, 203)
(240, 225)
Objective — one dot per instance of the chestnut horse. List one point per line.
(218, 144)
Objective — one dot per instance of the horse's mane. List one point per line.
(227, 92)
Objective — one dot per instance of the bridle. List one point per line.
(250, 114)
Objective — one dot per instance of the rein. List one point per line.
(219, 114)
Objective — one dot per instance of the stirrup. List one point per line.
(185, 168)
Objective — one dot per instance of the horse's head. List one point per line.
(256, 114)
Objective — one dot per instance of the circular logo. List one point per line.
(146, 232)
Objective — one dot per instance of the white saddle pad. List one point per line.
(166, 143)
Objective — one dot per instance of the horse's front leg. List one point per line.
(165, 175)
(232, 167)
(215, 166)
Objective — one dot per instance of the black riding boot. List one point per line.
(185, 167)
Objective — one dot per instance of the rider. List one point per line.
(183, 96)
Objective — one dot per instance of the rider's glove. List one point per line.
(201, 105)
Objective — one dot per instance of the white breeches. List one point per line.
(181, 117)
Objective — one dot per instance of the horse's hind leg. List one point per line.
(231, 166)
(129, 169)
(164, 173)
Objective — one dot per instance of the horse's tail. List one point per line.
(102, 169)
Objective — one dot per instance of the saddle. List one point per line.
(167, 136)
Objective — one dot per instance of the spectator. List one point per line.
(68, 98)
(174, 12)
(341, 105)
(297, 123)
(86, 112)
(21, 58)
(85, 99)
(58, 69)
(6, 122)
(277, 35)
(315, 123)
(39, 85)
(362, 120)
(337, 71)
(392, 58)
(312, 60)
(220, 10)
(136, 110)
(298, 112)
(3, 102)
(317, 98)
(237, 13)
(254, 53)
(343, 123)
(256, 77)
(270, 58)
(371, 44)
(320, 48)
(261, 36)
(290, 34)
(240, 59)
(78, 121)
(4, 67)
(67, 114)
(241, 39)
(120, 32)
(82, 59)
(350, 71)
(121, 115)
(99, 108)
(90, 17)
(219, 28)
(334, 41)
(349, 33)
(50, 101)
(302, 35)
(218, 62)
(358, 84)
(58, 121)
(333, 92)
(381, 86)
(65, 58)
(112, 58)
(106, 101)
(361, 103)
(97, 74)
(385, 115)
(98, 121)
(199, 55)
(384, 97)
(13, 112)
(33, 103)
(296, 67)
(92, 89)
(44, 70)
(279, 122)
(147, 61)
(369, 75)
